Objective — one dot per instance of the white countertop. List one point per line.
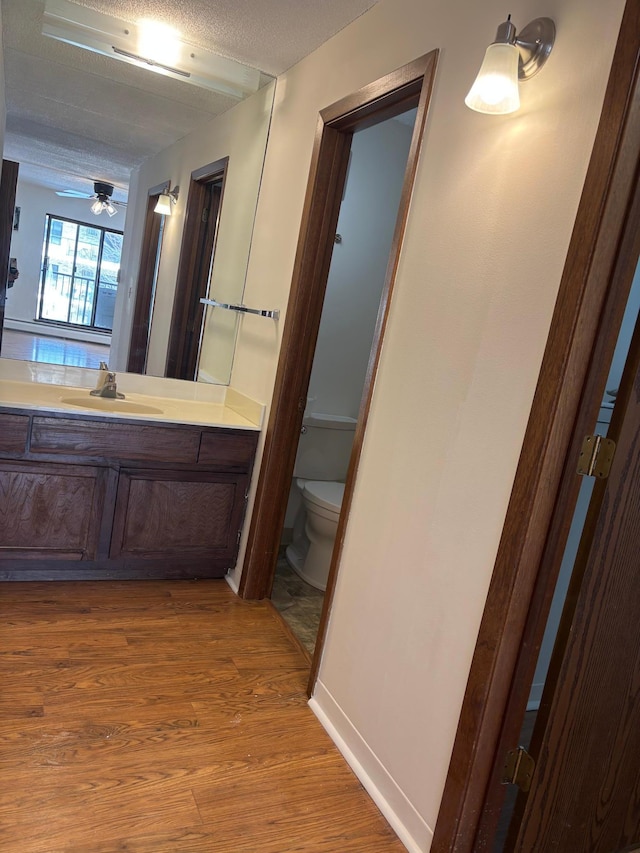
(55, 398)
(52, 391)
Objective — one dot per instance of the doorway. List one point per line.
(8, 183)
(406, 88)
(206, 190)
(568, 726)
(593, 293)
(146, 285)
(361, 248)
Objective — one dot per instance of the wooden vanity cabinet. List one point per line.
(185, 515)
(83, 497)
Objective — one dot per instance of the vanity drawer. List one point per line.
(231, 450)
(102, 439)
(13, 433)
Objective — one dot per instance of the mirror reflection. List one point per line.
(75, 275)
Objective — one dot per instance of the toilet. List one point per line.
(321, 466)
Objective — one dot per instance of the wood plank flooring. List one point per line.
(53, 350)
(165, 717)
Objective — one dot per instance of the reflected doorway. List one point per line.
(202, 217)
(146, 286)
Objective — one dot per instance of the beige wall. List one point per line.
(490, 222)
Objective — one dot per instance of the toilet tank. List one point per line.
(324, 448)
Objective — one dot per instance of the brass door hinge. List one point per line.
(518, 768)
(596, 456)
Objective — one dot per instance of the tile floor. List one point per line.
(299, 604)
(30, 347)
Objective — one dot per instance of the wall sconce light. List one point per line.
(166, 200)
(510, 58)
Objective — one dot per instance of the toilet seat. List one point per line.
(327, 495)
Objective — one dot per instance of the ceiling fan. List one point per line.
(102, 193)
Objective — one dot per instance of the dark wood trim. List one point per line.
(386, 97)
(8, 184)
(423, 96)
(198, 246)
(551, 561)
(319, 220)
(537, 495)
(140, 327)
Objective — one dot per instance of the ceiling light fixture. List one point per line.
(166, 200)
(103, 199)
(510, 58)
(150, 45)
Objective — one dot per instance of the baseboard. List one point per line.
(232, 583)
(50, 330)
(403, 818)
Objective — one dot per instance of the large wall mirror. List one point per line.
(92, 266)
(218, 172)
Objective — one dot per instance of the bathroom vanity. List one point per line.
(93, 496)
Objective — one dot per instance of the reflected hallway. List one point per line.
(27, 346)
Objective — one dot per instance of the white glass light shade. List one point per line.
(96, 207)
(495, 89)
(164, 205)
(111, 210)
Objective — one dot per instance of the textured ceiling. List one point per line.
(74, 116)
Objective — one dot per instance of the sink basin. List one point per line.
(106, 404)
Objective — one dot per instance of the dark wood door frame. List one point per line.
(8, 184)
(591, 298)
(194, 267)
(142, 313)
(403, 89)
(552, 557)
(586, 737)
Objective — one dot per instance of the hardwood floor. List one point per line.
(165, 717)
(52, 350)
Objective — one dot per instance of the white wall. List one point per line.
(26, 243)
(241, 135)
(490, 222)
(358, 267)
(357, 273)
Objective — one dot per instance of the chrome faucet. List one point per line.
(106, 386)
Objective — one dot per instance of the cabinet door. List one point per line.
(49, 511)
(13, 433)
(189, 516)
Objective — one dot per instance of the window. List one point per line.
(80, 269)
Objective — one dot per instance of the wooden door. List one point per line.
(8, 183)
(585, 789)
(194, 268)
(145, 289)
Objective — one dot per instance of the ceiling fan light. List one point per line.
(111, 210)
(97, 207)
